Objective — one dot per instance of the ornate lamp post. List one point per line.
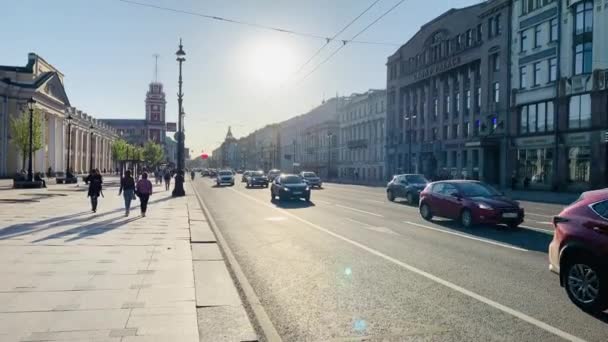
(67, 162)
(30, 104)
(91, 128)
(179, 178)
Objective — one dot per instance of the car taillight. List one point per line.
(559, 219)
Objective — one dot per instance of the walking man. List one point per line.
(144, 190)
(95, 182)
(127, 189)
(167, 177)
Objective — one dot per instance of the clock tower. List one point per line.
(155, 113)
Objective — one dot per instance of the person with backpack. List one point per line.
(143, 189)
(127, 189)
(95, 188)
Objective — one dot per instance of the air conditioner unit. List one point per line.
(601, 79)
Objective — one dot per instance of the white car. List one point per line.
(225, 177)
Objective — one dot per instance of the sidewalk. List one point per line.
(71, 275)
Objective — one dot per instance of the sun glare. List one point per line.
(271, 63)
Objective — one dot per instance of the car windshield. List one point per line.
(225, 173)
(416, 179)
(291, 180)
(257, 173)
(477, 190)
(309, 174)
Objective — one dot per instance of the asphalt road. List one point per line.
(352, 266)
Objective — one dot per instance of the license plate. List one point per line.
(297, 192)
(509, 215)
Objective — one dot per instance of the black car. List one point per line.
(406, 186)
(256, 178)
(289, 186)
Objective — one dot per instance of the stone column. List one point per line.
(39, 156)
(75, 150)
(53, 146)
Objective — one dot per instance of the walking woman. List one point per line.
(143, 189)
(167, 178)
(127, 189)
(95, 182)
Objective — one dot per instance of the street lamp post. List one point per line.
(179, 179)
(409, 138)
(329, 136)
(30, 105)
(67, 162)
(91, 128)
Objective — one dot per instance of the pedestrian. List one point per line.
(167, 177)
(192, 174)
(127, 189)
(38, 178)
(513, 180)
(95, 188)
(143, 189)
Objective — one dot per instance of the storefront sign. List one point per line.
(535, 141)
(437, 68)
(577, 139)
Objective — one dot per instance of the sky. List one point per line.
(234, 75)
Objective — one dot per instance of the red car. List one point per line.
(579, 250)
(470, 202)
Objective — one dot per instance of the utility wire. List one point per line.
(250, 24)
(344, 42)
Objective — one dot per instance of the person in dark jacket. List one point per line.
(127, 189)
(95, 188)
(144, 191)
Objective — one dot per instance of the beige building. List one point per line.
(42, 82)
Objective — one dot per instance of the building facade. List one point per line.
(90, 139)
(560, 98)
(447, 96)
(362, 137)
(265, 152)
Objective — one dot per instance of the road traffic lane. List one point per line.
(282, 240)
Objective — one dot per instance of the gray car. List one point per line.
(311, 178)
(406, 186)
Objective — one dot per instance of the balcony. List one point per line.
(355, 144)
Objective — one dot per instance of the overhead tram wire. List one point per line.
(246, 23)
(344, 42)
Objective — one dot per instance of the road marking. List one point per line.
(542, 230)
(544, 222)
(466, 236)
(373, 228)
(375, 201)
(526, 318)
(540, 215)
(358, 210)
(322, 202)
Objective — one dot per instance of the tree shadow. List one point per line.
(520, 237)
(21, 229)
(94, 228)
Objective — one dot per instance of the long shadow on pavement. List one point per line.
(93, 228)
(524, 238)
(21, 229)
(293, 204)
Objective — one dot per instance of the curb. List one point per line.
(260, 316)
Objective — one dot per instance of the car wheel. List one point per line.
(247, 185)
(307, 198)
(410, 198)
(466, 218)
(390, 196)
(513, 225)
(232, 184)
(425, 212)
(265, 185)
(586, 284)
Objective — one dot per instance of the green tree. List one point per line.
(153, 154)
(119, 150)
(20, 133)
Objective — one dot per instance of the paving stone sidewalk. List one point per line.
(68, 274)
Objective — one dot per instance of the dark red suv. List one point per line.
(579, 250)
(470, 202)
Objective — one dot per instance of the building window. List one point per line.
(496, 92)
(537, 117)
(454, 131)
(536, 74)
(535, 165)
(469, 36)
(579, 164)
(523, 40)
(498, 25)
(580, 111)
(447, 105)
(479, 33)
(434, 134)
(435, 108)
(491, 27)
(422, 135)
(583, 58)
(465, 130)
(495, 62)
(537, 33)
(523, 77)
(553, 30)
(446, 132)
(457, 103)
(478, 98)
(584, 17)
(468, 101)
(552, 69)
